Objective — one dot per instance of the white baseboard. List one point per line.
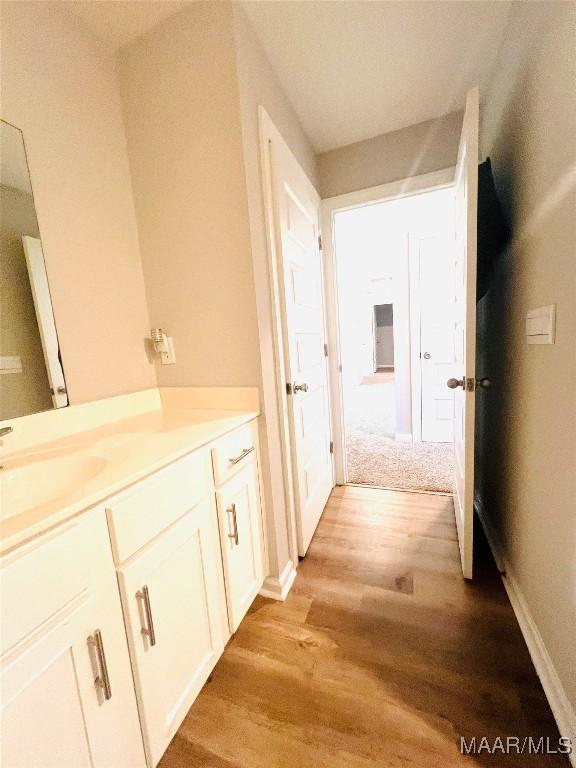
(278, 587)
(403, 437)
(561, 707)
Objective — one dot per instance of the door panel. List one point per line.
(239, 518)
(436, 257)
(183, 604)
(50, 699)
(465, 328)
(54, 710)
(296, 213)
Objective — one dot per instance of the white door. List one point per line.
(375, 341)
(239, 518)
(175, 611)
(436, 257)
(465, 328)
(66, 690)
(52, 715)
(296, 209)
(45, 317)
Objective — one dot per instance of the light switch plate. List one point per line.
(541, 325)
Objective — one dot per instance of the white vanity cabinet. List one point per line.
(234, 458)
(67, 693)
(113, 620)
(172, 591)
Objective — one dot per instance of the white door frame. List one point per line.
(384, 192)
(274, 380)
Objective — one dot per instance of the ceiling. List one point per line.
(119, 22)
(352, 69)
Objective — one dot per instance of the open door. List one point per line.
(45, 317)
(295, 219)
(465, 328)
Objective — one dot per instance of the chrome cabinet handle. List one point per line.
(102, 680)
(426, 355)
(234, 534)
(148, 630)
(244, 453)
(455, 383)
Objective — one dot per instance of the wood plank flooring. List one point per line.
(382, 655)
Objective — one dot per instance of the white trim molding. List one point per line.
(392, 190)
(560, 705)
(278, 588)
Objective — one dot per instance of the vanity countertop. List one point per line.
(46, 485)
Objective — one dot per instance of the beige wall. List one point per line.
(28, 391)
(191, 90)
(181, 107)
(62, 91)
(258, 85)
(411, 151)
(527, 423)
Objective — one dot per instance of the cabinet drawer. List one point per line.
(44, 579)
(144, 511)
(233, 452)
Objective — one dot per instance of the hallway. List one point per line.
(382, 655)
(375, 457)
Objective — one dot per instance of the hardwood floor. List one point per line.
(382, 655)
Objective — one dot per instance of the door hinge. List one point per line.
(331, 446)
(320, 242)
(288, 388)
(325, 350)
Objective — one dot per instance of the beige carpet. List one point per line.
(373, 456)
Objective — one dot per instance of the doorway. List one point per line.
(394, 280)
(383, 338)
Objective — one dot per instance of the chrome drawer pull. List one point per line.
(148, 630)
(102, 680)
(244, 453)
(234, 534)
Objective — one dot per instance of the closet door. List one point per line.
(173, 597)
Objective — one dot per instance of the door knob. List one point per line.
(300, 388)
(455, 383)
(426, 355)
(483, 383)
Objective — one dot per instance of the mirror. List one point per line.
(31, 372)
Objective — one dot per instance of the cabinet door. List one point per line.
(67, 692)
(173, 598)
(240, 530)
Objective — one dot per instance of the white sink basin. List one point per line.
(25, 484)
